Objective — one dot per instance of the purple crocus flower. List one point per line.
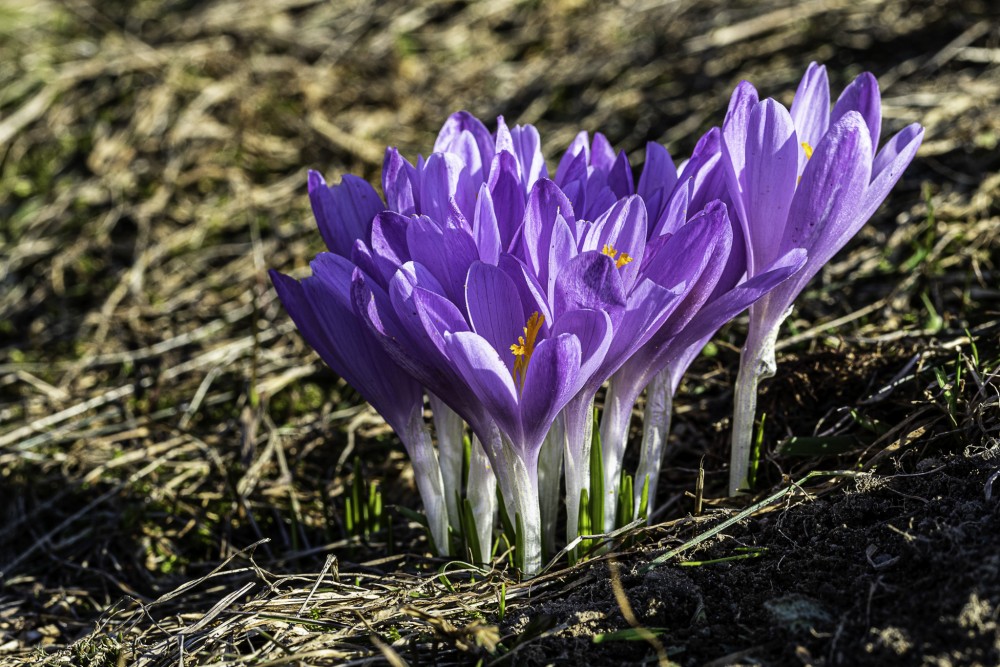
(807, 178)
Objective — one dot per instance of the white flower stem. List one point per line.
(614, 438)
(523, 478)
(655, 429)
(578, 418)
(450, 431)
(481, 491)
(550, 460)
(756, 363)
(427, 473)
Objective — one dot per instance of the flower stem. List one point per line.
(578, 419)
(427, 473)
(550, 459)
(450, 433)
(481, 490)
(523, 478)
(655, 429)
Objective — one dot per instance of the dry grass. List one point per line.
(171, 454)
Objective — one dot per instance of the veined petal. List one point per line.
(508, 196)
(451, 135)
(532, 295)
(573, 164)
(494, 308)
(343, 212)
(658, 178)
(594, 330)
(622, 229)
(446, 251)
(528, 148)
(485, 228)
(889, 165)
(545, 202)
(620, 177)
(735, 131)
(771, 174)
(862, 95)
(480, 367)
(590, 280)
(602, 155)
(399, 183)
(553, 378)
(811, 108)
(824, 214)
(504, 141)
(445, 177)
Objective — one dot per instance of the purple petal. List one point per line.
(480, 367)
(552, 379)
(485, 229)
(445, 251)
(862, 95)
(620, 178)
(508, 196)
(504, 139)
(452, 132)
(602, 155)
(531, 293)
(771, 173)
(399, 183)
(811, 107)
(573, 164)
(590, 280)
(528, 148)
(494, 308)
(658, 178)
(889, 165)
(623, 228)
(594, 330)
(824, 213)
(444, 177)
(343, 212)
(735, 131)
(545, 203)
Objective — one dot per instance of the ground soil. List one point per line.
(174, 460)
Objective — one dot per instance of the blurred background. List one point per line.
(158, 412)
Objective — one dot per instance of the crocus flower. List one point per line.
(805, 177)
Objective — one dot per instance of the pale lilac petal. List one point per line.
(528, 148)
(862, 95)
(811, 107)
(494, 308)
(735, 131)
(531, 293)
(552, 379)
(444, 177)
(573, 164)
(452, 133)
(593, 328)
(481, 369)
(889, 165)
(771, 173)
(622, 228)
(504, 139)
(602, 155)
(545, 203)
(825, 209)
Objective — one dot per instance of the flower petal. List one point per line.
(494, 308)
(862, 95)
(889, 165)
(343, 212)
(552, 380)
(811, 108)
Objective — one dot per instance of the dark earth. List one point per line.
(174, 461)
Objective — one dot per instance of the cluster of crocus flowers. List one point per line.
(509, 299)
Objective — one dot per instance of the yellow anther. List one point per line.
(808, 149)
(622, 260)
(525, 346)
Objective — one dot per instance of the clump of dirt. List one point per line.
(896, 569)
